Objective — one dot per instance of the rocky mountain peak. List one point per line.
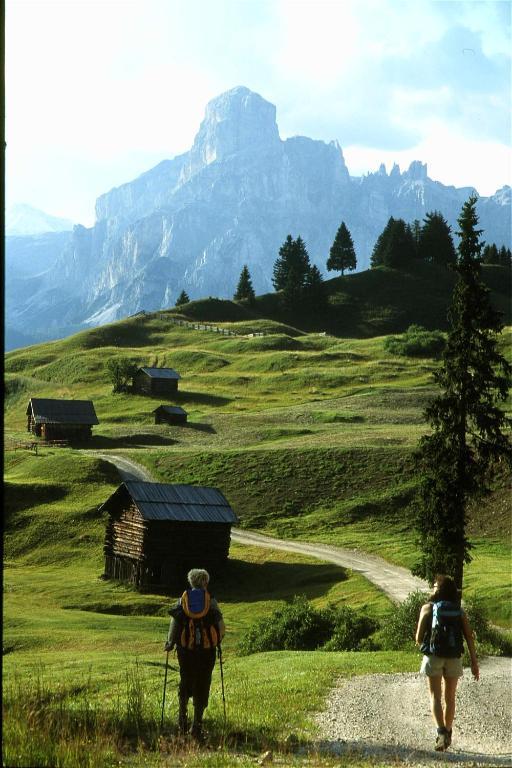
(417, 171)
(237, 120)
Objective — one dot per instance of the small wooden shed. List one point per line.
(156, 532)
(70, 420)
(156, 381)
(170, 414)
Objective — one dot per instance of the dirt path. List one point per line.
(396, 582)
(388, 716)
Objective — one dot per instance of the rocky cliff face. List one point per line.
(192, 222)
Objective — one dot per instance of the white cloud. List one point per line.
(97, 88)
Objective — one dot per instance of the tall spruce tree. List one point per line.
(468, 427)
(314, 290)
(342, 255)
(292, 265)
(290, 272)
(244, 290)
(395, 246)
(182, 299)
(435, 242)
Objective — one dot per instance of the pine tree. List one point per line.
(182, 299)
(505, 256)
(436, 243)
(381, 247)
(314, 290)
(290, 271)
(244, 290)
(342, 255)
(395, 245)
(490, 254)
(467, 424)
(292, 264)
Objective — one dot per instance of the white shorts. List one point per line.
(435, 666)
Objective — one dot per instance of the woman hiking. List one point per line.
(442, 625)
(196, 630)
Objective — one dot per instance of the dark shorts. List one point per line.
(196, 669)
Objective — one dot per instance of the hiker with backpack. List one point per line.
(442, 626)
(196, 630)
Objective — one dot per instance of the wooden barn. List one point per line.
(156, 532)
(170, 414)
(70, 420)
(156, 381)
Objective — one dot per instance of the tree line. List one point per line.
(400, 245)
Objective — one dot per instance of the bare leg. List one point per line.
(450, 688)
(436, 704)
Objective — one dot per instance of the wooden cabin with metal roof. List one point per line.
(69, 420)
(156, 532)
(170, 414)
(156, 381)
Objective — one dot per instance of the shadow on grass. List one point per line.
(202, 398)
(250, 582)
(200, 427)
(127, 441)
(21, 496)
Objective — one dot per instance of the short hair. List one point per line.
(197, 577)
(446, 589)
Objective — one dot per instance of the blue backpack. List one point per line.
(446, 638)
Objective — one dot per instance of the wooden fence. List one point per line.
(205, 327)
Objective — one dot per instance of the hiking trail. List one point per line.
(387, 716)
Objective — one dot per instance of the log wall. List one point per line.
(155, 553)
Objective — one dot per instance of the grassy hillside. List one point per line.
(309, 436)
(370, 303)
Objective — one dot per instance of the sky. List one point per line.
(99, 91)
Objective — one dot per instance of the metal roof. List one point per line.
(174, 409)
(181, 503)
(161, 373)
(48, 411)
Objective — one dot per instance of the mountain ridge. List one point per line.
(193, 221)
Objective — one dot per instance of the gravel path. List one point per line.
(388, 716)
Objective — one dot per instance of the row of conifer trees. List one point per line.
(400, 245)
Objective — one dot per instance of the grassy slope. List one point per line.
(309, 436)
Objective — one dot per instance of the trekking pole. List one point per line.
(165, 686)
(219, 651)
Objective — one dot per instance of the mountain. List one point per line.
(193, 222)
(22, 219)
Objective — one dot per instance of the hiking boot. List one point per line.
(183, 718)
(447, 739)
(197, 725)
(441, 740)
(197, 732)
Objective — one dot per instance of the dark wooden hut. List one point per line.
(70, 420)
(156, 532)
(156, 381)
(170, 414)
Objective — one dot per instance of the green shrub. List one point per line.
(400, 626)
(351, 631)
(297, 626)
(489, 640)
(416, 342)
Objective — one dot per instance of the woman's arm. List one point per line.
(423, 622)
(470, 640)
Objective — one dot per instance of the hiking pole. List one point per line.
(219, 651)
(165, 686)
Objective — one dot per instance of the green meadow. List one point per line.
(308, 435)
